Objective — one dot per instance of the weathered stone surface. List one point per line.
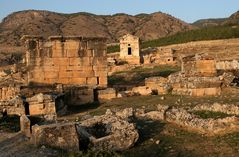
(25, 125)
(199, 65)
(117, 135)
(129, 49)
(142, 90)
(66, 60)
(227, 78)
(158, 84)
(106, 94)
(227, 65)
(194, 85)
(125, 113)
(206, 126)
(42, 104)
(9, 92)
(160, 56)
(13, 106)
(62, 136)
(79, 95)
(218, 107)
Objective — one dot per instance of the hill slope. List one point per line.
(32, 22)
(232, 20)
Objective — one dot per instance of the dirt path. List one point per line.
(17, 145)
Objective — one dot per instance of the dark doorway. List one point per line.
(27, 110)
(129, 51)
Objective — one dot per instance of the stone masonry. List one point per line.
(66, 60)
(130, 49)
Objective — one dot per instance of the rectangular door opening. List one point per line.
(129, 51)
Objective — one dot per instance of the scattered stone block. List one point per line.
(106, 94)
(25, 125)
(142, 90)
(63, 136)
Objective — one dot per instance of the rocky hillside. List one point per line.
(32, 22)
(232, 20)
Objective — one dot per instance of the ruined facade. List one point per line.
(198, 65)
(197, 78)
(130, 49)
(159, 56)
(66, 60)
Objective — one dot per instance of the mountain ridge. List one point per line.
(47, 23)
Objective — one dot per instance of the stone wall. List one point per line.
(7, 93)
(44, 104)
(130, 49)
(197, 65)
(159, 56)
(79, 95)
(66, 60)
(13, 106)
(227, 65)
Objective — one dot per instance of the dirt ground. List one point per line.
(157, 138)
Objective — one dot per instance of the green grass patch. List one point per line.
(210, 114)
(138, 74)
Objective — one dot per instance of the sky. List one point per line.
(186, 10)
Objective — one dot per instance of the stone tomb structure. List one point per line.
(130, 49)
(161, 56)
(66, 60)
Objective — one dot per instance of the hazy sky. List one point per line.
(187, 10)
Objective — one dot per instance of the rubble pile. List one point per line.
(190, 121)
(217, 107)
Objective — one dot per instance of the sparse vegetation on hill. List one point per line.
(209, 33)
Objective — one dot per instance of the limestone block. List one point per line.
(63, 136)
(106, 94)
(91, 81)
(51, 75)
(64, 80)
(25, 125)
(142, 90)
(57, 53)
(75, 61)
(212, 91)
(60, 61)
(78, 80)
(103, 81)
(75, 68)
(65, 74)
(79, 96)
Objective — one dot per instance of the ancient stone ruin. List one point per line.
(130, 49)
(192, 122)
(57, 72)
(66, 60)
(110, 132)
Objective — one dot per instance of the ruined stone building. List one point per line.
(66, 60)
(160, 56)
(130, 49)
(198, 65)
(60, 71)
(197, 78)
